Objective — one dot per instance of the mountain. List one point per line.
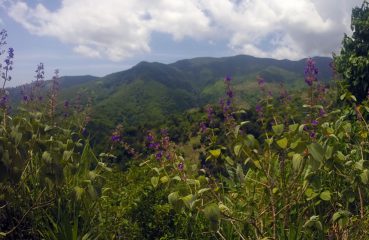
(146, 94)
(65, 83)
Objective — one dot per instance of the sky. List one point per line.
(96, 37)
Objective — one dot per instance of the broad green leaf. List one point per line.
(154, 181)
(325, 196)
(293, 127)
(364, 176)
(229, 160)
(178, 178)
(313, 222)
(46, 156)
(215, 153)
(193, 182)
(189, 200)
(316, 151)
(174, 200)
(237, 149)
(201, 191)
(340, 156)
(173, 197)
(156, 170)
(67, 155)
(269, 141)
(329, 152)
(296, 161)
(224, 209)
(340, 214)
(278, 129)
(212, 212)
(282, 143)
(164, 179)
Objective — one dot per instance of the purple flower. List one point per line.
(154, 145)
(227, 79)
(25, 98)
(40, 74)
(180, 166)
(159, 155)
(322, 112)
(3, 36)
(261, 82)
(164, 132)
(203, 127)
(312, 134)
(66, 104)
(210, 113)
(259, 110)
(311, 72)
(10, 53)
(4, 100)
(115, 138)
(314, 122)
(149, 137)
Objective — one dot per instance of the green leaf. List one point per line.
(316, 151)
(229, 160)
(215, 153)
(79, 192)
(164, 179)
(212, 213)
(46, 156)
(340, 156)
(174, 200)
(201, 191)
(178, 178)
(282, 143)
(154, 181)
(189, 200)
(297, 161)
(237, 149)
(278, 129)
(313, 222)
(173, 197)
(240, 174)
(340, 214)
(293, 127)
(364, 176)
(325, 196)
(67, 155)
(269, 141)
(88, 157)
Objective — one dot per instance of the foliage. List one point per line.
(353, 60)
(294, 167)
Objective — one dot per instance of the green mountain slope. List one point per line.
(146, 94)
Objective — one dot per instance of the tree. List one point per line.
(353, 61)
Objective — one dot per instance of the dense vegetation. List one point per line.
(293, 167)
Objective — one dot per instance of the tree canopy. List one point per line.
(353, 61)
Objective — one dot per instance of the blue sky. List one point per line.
(100, 37)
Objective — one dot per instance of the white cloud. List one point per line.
(117, 29)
